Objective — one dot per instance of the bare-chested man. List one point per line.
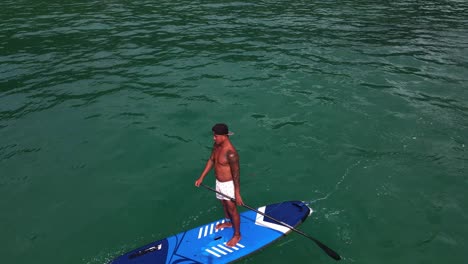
(225, 159)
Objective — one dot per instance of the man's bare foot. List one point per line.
(223, 225)
(234, 240)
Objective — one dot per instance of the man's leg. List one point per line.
(226, 212)
(227, 216)
(235, 219)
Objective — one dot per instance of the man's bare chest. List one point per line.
(221, 157)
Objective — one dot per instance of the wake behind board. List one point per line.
(205, 244)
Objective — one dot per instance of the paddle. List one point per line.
(327, 250)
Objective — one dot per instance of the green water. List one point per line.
(358, 107)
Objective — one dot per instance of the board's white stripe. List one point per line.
(213, 253)
(216, 230)
(240, 245)
(211, 229)
(222, 222)
(225, 248)
(206, 231)
(219, 250)
(235, 248)
(261, 222)
(200, 232)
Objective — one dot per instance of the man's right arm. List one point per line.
(208, 166)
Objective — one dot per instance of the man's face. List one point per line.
(218, 139)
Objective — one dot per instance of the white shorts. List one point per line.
(226, 188)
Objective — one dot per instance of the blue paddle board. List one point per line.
(206, 244)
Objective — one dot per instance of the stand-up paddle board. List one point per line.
(206, 244)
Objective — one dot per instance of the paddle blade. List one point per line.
(328, 250)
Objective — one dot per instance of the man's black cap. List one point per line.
(221, 129)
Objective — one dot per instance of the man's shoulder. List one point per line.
(232, 152)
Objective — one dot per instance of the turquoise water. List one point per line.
(358, 107)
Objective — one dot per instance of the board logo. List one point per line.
(148, 250)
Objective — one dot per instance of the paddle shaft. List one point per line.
(327, 250)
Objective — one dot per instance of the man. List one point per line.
(225, 160)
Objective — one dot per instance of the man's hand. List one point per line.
(198, 182)
(239, 200)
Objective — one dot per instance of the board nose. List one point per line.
(308, 206)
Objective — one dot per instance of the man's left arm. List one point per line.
(233, 159)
